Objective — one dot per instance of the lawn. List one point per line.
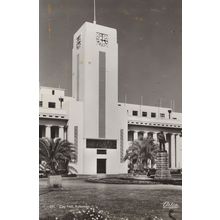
(122, 201)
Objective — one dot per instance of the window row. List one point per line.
(144, 114)
(50, 104)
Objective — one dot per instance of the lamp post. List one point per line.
(61, 101)
(169, 111)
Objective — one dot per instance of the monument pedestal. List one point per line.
(162, 171)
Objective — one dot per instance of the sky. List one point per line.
(149, 46)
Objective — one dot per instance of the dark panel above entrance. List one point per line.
(99, 143)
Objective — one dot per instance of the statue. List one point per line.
(162, 141)
(162, 162)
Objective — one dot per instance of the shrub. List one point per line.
(55, 155)
(84, 213)
(89, 213)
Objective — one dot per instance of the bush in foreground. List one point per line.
(92, 213)
(83, 213)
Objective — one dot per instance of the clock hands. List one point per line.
(102, 39)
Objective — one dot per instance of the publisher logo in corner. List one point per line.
(170, 205)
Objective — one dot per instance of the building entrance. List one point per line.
(101, 165)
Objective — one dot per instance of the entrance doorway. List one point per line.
(54, 132)
(101, 165)
(42, 131)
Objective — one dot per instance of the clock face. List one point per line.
(102, 39)
(78, 42)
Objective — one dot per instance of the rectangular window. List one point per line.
(144, 114)
(130, 136)
(54, 131)
(153, 115)
(162, 115)
(41, 103)
(51, 105)
(53, 92)
(101, 151)
(134, 113)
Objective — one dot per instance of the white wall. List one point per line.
(149, 109)
(75, 112)
(89, 84)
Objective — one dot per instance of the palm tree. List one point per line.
(140, 152)
(148, 150)
(56, 152)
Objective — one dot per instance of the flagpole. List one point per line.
(141, 105)
(159, 108)
(125, 99)
(94, 21)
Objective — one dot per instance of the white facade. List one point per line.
(145, 120)
(92, 118)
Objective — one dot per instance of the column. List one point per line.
(48, 131)
(145, 134)
(155, 137)
(173, 153)
(135, 135)
(179, 152)
(149, 163)
(166, 144)
(61, 132)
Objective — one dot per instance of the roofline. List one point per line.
(151, 106)
(47, 87)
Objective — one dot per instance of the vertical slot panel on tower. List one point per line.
(102, 86)
(77, 78)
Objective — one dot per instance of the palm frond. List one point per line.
(44, 152)
(139, 152)
(56, 151)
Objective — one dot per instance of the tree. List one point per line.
(149, 150)
(139, 152)
(56, 153)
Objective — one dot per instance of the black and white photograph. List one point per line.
(110, 109)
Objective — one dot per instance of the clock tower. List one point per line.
(95, 85)
(95, 77)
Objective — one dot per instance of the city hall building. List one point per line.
(92, 118)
